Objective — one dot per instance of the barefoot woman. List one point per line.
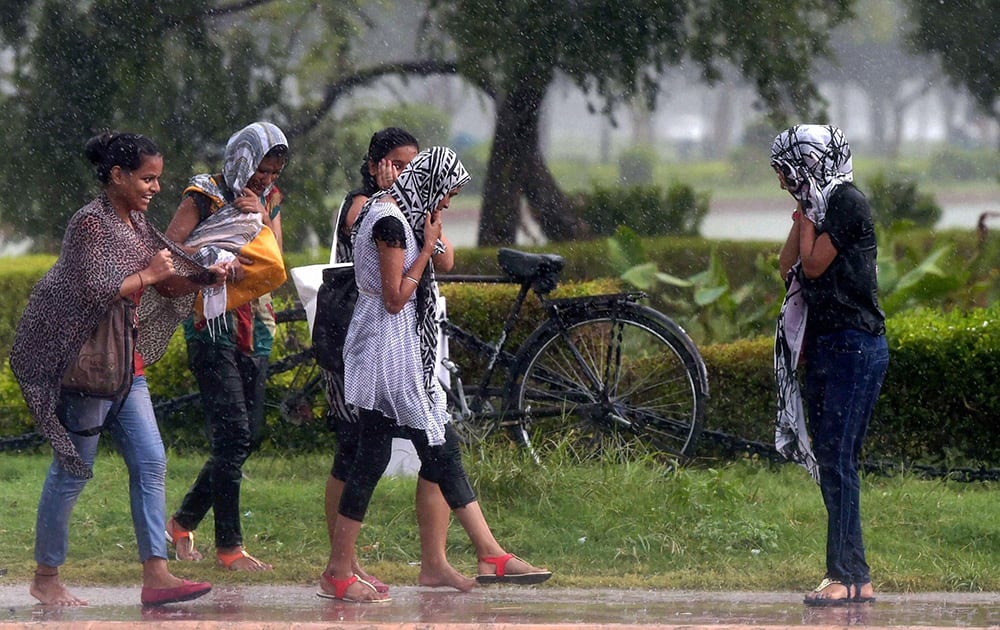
(109, 253)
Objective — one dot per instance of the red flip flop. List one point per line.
(502, 577)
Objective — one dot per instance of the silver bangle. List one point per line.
(413, 280)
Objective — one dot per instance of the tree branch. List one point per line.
(335, 90)
(171, 21)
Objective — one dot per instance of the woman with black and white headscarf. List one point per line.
(831, 314)
(389, 373)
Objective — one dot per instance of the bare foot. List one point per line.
(182, 541)
(50, 591)
(237, 559)
(445, 575)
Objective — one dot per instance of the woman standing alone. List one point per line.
(829, 260)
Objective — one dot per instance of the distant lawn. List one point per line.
(744, 526)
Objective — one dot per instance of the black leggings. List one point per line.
(441, 464)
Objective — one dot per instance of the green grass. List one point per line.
(745, 526)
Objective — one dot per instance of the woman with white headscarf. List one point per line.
(389, 371)
(229, 345)
(831, 315)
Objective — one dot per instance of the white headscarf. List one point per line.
(814, 160)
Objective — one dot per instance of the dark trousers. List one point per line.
(232, 396)
(844, 373)
(441, 464)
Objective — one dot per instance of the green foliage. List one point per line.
(937, 405)
(965, 164)
(648, 210)
(640, 39)
(615, 52)
(908, 276)
(636, 164)
(19, 276)
(704, 303)
(174, 75)
(897, 199)
(954, 32)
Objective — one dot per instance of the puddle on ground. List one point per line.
(512, 605)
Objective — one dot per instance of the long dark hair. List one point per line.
(125, 150)
(381, 144)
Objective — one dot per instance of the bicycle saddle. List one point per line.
(541, 269)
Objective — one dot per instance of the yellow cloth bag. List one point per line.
(265, 273)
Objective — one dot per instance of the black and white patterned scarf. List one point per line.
(814, 160)
(420, 187)
(791, 438)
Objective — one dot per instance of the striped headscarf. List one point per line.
(244, 151)
(420, 187)
(814, 159)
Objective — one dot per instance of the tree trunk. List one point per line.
(514, 140)
(516, 168)
(556, 216)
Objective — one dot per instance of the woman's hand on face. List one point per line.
(432, 230)
(385, 174)
(248, 202)
(160, 267)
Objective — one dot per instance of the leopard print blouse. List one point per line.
(99, 251)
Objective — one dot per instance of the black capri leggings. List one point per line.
(441, 464)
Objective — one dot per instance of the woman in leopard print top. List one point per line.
(109, 252)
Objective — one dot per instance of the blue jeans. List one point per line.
(136, 436)
(844, 373)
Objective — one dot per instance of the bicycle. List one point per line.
(602, 370)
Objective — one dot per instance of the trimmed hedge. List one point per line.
(939, 403)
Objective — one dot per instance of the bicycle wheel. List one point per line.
(294, 385)
(620, 379)
(296, 391)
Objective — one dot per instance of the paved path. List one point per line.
(498, 608)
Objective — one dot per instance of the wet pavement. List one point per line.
(497, 608)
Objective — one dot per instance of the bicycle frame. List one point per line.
(495, 352)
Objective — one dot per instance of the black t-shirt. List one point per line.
(846, 294)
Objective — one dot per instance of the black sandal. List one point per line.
(817, 600)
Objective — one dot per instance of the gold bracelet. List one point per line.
(413, 280)
(142, 283)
